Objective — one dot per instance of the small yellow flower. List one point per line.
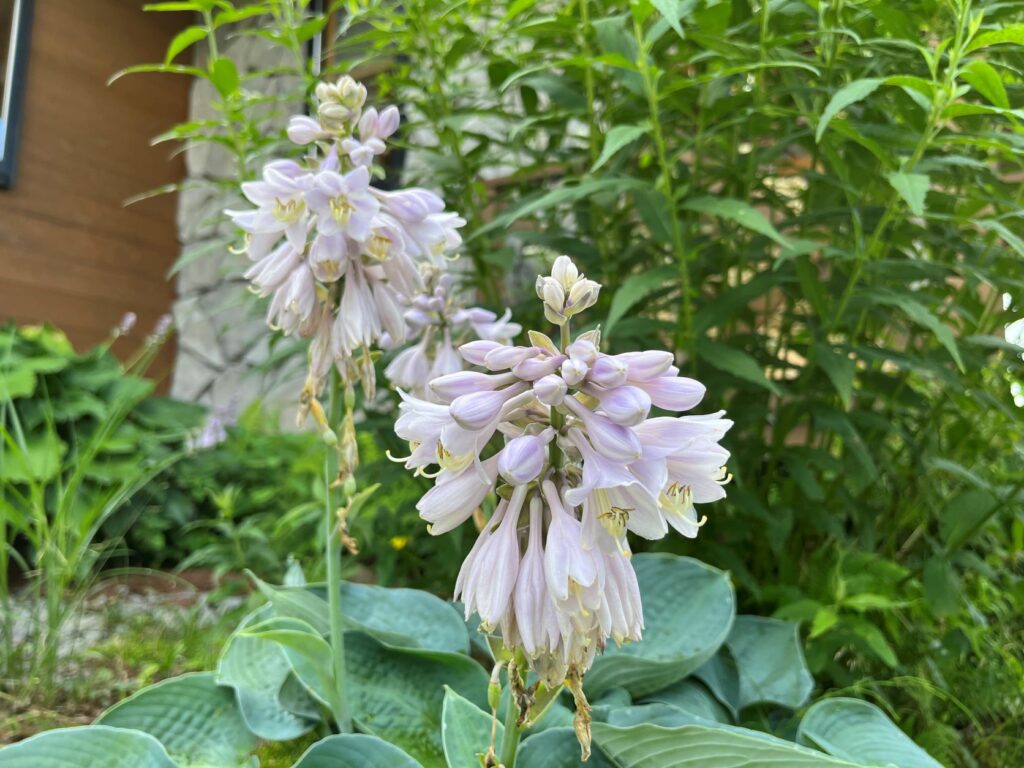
(400, 542)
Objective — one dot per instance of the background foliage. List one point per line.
(816, 203)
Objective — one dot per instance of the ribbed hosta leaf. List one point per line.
(409, 618)
(355, 750)
(690, 696)
(88, 745)
(700, 746)
(257, 669)
(557, 748)
(762, 661)
(688, 610)
(397, 693)
(860, 732)
(196, 720)
(770, 662)
(466, 730)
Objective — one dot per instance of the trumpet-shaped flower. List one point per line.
(583, 465)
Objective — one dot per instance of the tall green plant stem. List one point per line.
(510, 742)
(684, 335)
(944, 91)
(339, 403)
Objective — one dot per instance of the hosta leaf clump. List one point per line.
(688, 610)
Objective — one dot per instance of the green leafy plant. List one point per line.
(81, 435)
(703, 682)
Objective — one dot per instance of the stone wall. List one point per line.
(222, 337)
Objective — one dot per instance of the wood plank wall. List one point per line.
(70, 252)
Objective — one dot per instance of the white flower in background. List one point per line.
(438, 323)
(338, 258)
(582, 464)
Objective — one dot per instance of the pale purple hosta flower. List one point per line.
(338, 258)
(581, 453)
(435, 318)
(374, 129)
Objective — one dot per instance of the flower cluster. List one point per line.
(581, 463)
(437, 322)
(337, 256)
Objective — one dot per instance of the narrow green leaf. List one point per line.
(849, 94)
(224, 76)
(912, 187)
(734, 361)
(984, 78)
(617, 138)
(840, 370)
(1011, 34)
(923, 316)
(672, 10)
(634, 289)
(742, 213)
(183, 40)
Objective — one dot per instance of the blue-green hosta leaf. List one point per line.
(296, 603)
(466, 730)
(860, 732)
(196, 720)
(703, 746)
(557, 748)
(308, 654)
(398, 693)
(688, 610)
(761, 662)
(690, 696)
(849, 94)
(404, 617)
(354, 750)
(87, 745)
(400, 617)
(257, 669)
(770, 662)
(653, 714)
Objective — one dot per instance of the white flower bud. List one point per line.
(582, 295)
(565, 272)
(550, 390)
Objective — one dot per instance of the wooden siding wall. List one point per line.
(71, 253)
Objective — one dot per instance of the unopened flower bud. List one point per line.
(582, 295)
(625, 405)
(550, 390)
(565, 272)
(584, 350)
(573, 371)
(474, 352)
(608, 371)
(387, 122)
(303, 129)
(522, 459)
